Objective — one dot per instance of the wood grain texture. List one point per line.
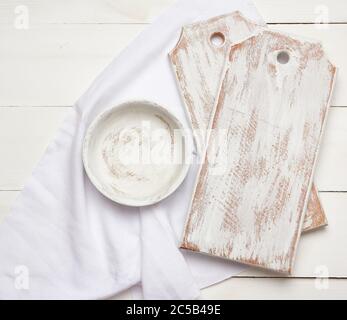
(139, 11)
(315, 216)
(76, 53)
(320, 250)
(52, 65)
(320, 288)
(322, 247)
(254, 184)
(25, 132)
(317, 250)
(199, 68)
(199, 64)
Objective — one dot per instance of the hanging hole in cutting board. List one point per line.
(283, 57)
(217, 39)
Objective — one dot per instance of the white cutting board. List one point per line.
(199, 64)
(253, 187)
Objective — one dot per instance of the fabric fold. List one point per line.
(63, 239)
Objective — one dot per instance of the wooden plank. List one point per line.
(85, 11)
(330, 173)
(198, 63)
(316, 258)
(315, 216)
(321, 250)
(307, 11)
(25, 133)
(246, 288)
(277, 6)
(318, 253)
(253, 187)
(139, 11)
(51, 65)
(277, 289)
(330, 37)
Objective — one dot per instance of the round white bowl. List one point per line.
(137, 153)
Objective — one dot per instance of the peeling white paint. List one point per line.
(274, 114)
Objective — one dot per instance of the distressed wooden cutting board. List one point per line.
(315, 216)
(199, 65)
(254, 185)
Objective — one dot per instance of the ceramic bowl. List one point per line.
(136, 153)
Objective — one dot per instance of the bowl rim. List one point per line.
(171, 187)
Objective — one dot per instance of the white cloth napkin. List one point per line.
(63, 239)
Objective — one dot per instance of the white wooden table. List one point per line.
(47, 64)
